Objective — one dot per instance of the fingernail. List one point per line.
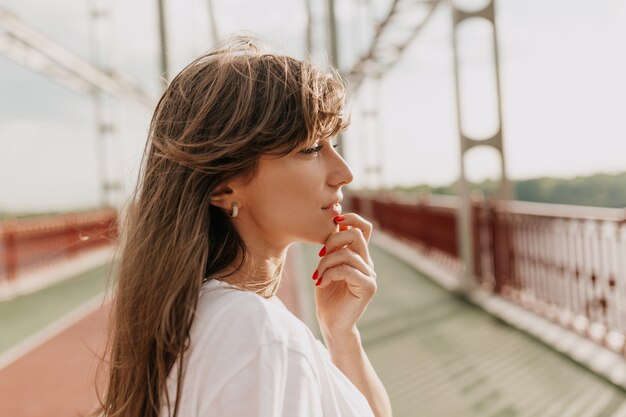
(315, 274)
(339, 218)
(319, 281)
(323, 251)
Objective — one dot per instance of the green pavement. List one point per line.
(27, 314)
(440, 356)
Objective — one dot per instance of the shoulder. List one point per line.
(234, 330)
(225, 313)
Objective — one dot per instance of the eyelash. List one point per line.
(315, 149)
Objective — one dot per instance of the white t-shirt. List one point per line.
(251, 357)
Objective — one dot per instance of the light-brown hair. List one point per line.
(217, 117)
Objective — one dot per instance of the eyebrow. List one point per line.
(329, 140)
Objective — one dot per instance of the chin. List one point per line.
(318, 232)
(318, 238)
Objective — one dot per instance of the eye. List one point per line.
(316, 149)
(313, 150)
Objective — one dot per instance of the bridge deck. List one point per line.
(436, 354)
(441, 356)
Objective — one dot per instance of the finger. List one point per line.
(343, 256)
(352, 238)
(357, 282)
(354, 220)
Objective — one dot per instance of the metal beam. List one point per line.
(395, 32)
(165, 67)
(215, 33)
(335, 60)
(27, 47)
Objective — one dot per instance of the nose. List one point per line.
(340, 172)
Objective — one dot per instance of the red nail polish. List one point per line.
(339, 218)
(315, 274)
(319, 281)
(323, 251)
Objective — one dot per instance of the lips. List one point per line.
(332, 203)
(335, 209)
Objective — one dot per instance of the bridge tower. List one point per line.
(465, 229)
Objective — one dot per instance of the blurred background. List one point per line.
(488, 147)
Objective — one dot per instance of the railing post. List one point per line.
(503, 252)
(465, 238)
(72, 235)
(478, 251)
(10, 249)
(499, 241)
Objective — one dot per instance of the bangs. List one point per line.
(324, 107)
(313, 106)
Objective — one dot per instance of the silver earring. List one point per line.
(234, 211)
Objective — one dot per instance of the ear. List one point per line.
(222, 196)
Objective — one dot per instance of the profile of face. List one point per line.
(285, 201)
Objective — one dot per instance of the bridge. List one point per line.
(485, 306)
(539, 334)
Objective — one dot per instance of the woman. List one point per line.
(238, 166)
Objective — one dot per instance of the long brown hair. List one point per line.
(217, 117)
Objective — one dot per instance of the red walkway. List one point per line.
(58, 377)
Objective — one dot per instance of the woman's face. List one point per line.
(285, 200)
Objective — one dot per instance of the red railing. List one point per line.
(31, 243)
(567, 263)
(429, 223)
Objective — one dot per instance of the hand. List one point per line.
(348, 280)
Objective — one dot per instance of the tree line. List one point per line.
(600, 190)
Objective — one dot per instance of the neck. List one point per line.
(262, 274)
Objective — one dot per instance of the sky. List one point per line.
(561, 71)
